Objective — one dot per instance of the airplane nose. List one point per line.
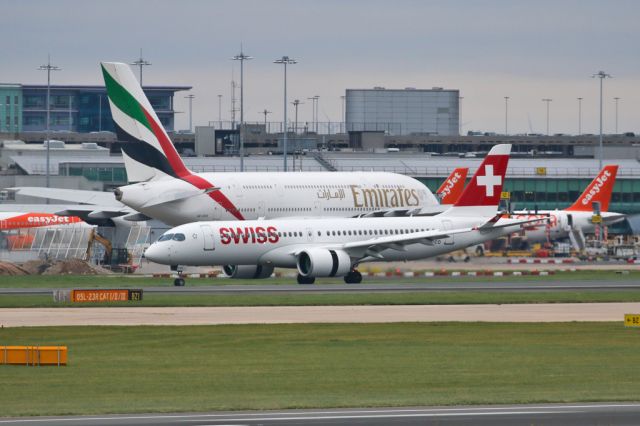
(157, 253)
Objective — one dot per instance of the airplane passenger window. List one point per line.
(178, 237)
(165, 237)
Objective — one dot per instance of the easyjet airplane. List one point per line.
(328, 247)
(451, 188)
(574, 221)
(10, 222)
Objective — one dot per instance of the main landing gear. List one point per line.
(306, 280)
(353, 277)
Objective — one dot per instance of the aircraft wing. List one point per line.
(372, 247)
(70, 195)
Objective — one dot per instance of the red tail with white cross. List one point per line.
(485, 187)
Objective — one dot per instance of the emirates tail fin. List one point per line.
(148, 153)
(599, 190)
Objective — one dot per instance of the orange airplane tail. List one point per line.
(452, 187)
(599, 190)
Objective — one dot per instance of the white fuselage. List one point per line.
(277, 194)
(561, 222)
(277, 242)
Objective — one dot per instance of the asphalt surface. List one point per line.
(394, 287)
(201, 315)
(617, 414)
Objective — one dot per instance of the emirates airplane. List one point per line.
(576, 220)
(168, 191)
(328, 247)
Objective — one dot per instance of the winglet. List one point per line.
(451, 189)
(599, 190)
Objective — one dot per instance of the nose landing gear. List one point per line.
(178, 282)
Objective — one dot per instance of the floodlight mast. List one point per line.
(579, 116)
(285, 60)
(48, 68)
(506, 115)
(241, 57)
(601, 75)
(141, 62)
(547, 100)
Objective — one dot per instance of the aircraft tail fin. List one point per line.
(599, 190)
(148, 153)
(451, 189)
(481, 196)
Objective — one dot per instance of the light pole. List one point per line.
(460, 98)
(100, 112)
(241, 57)
(265, 112)
(601, 75)
(295, 104)
(506, 115)
(547, 100)
(285, 60)
(579, 116)
(220, 111)
(48, 67)
(190, 97)
(140, 63)
(616, 99)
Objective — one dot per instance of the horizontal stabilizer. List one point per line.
(177, 196)
(136, 217)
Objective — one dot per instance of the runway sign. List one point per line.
(102, 295)
(632, 320)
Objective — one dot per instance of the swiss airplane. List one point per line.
(574, 221)
(328, 247)
(168, 191)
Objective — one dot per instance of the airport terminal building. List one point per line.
(73, 108)
(408, 111)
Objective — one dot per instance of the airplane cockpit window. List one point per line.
(165, 237)
(178, 237)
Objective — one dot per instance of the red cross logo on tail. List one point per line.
(489, 180)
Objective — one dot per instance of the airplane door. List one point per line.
(261, 210)
(446, 225)
(309, 232)
(207, 233)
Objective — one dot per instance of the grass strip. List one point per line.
(233, 367)
(319, 299)
(131, 281)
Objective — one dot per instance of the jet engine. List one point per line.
(248, 271)
(323, 263)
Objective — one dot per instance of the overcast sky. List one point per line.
(527, 50)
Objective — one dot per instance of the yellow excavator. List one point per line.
(113, 258)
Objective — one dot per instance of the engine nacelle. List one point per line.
(248, 271)
(323, 263)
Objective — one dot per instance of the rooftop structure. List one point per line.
(73, 108)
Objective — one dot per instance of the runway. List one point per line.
(401, 286)
(541, 312)
(539, 414)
